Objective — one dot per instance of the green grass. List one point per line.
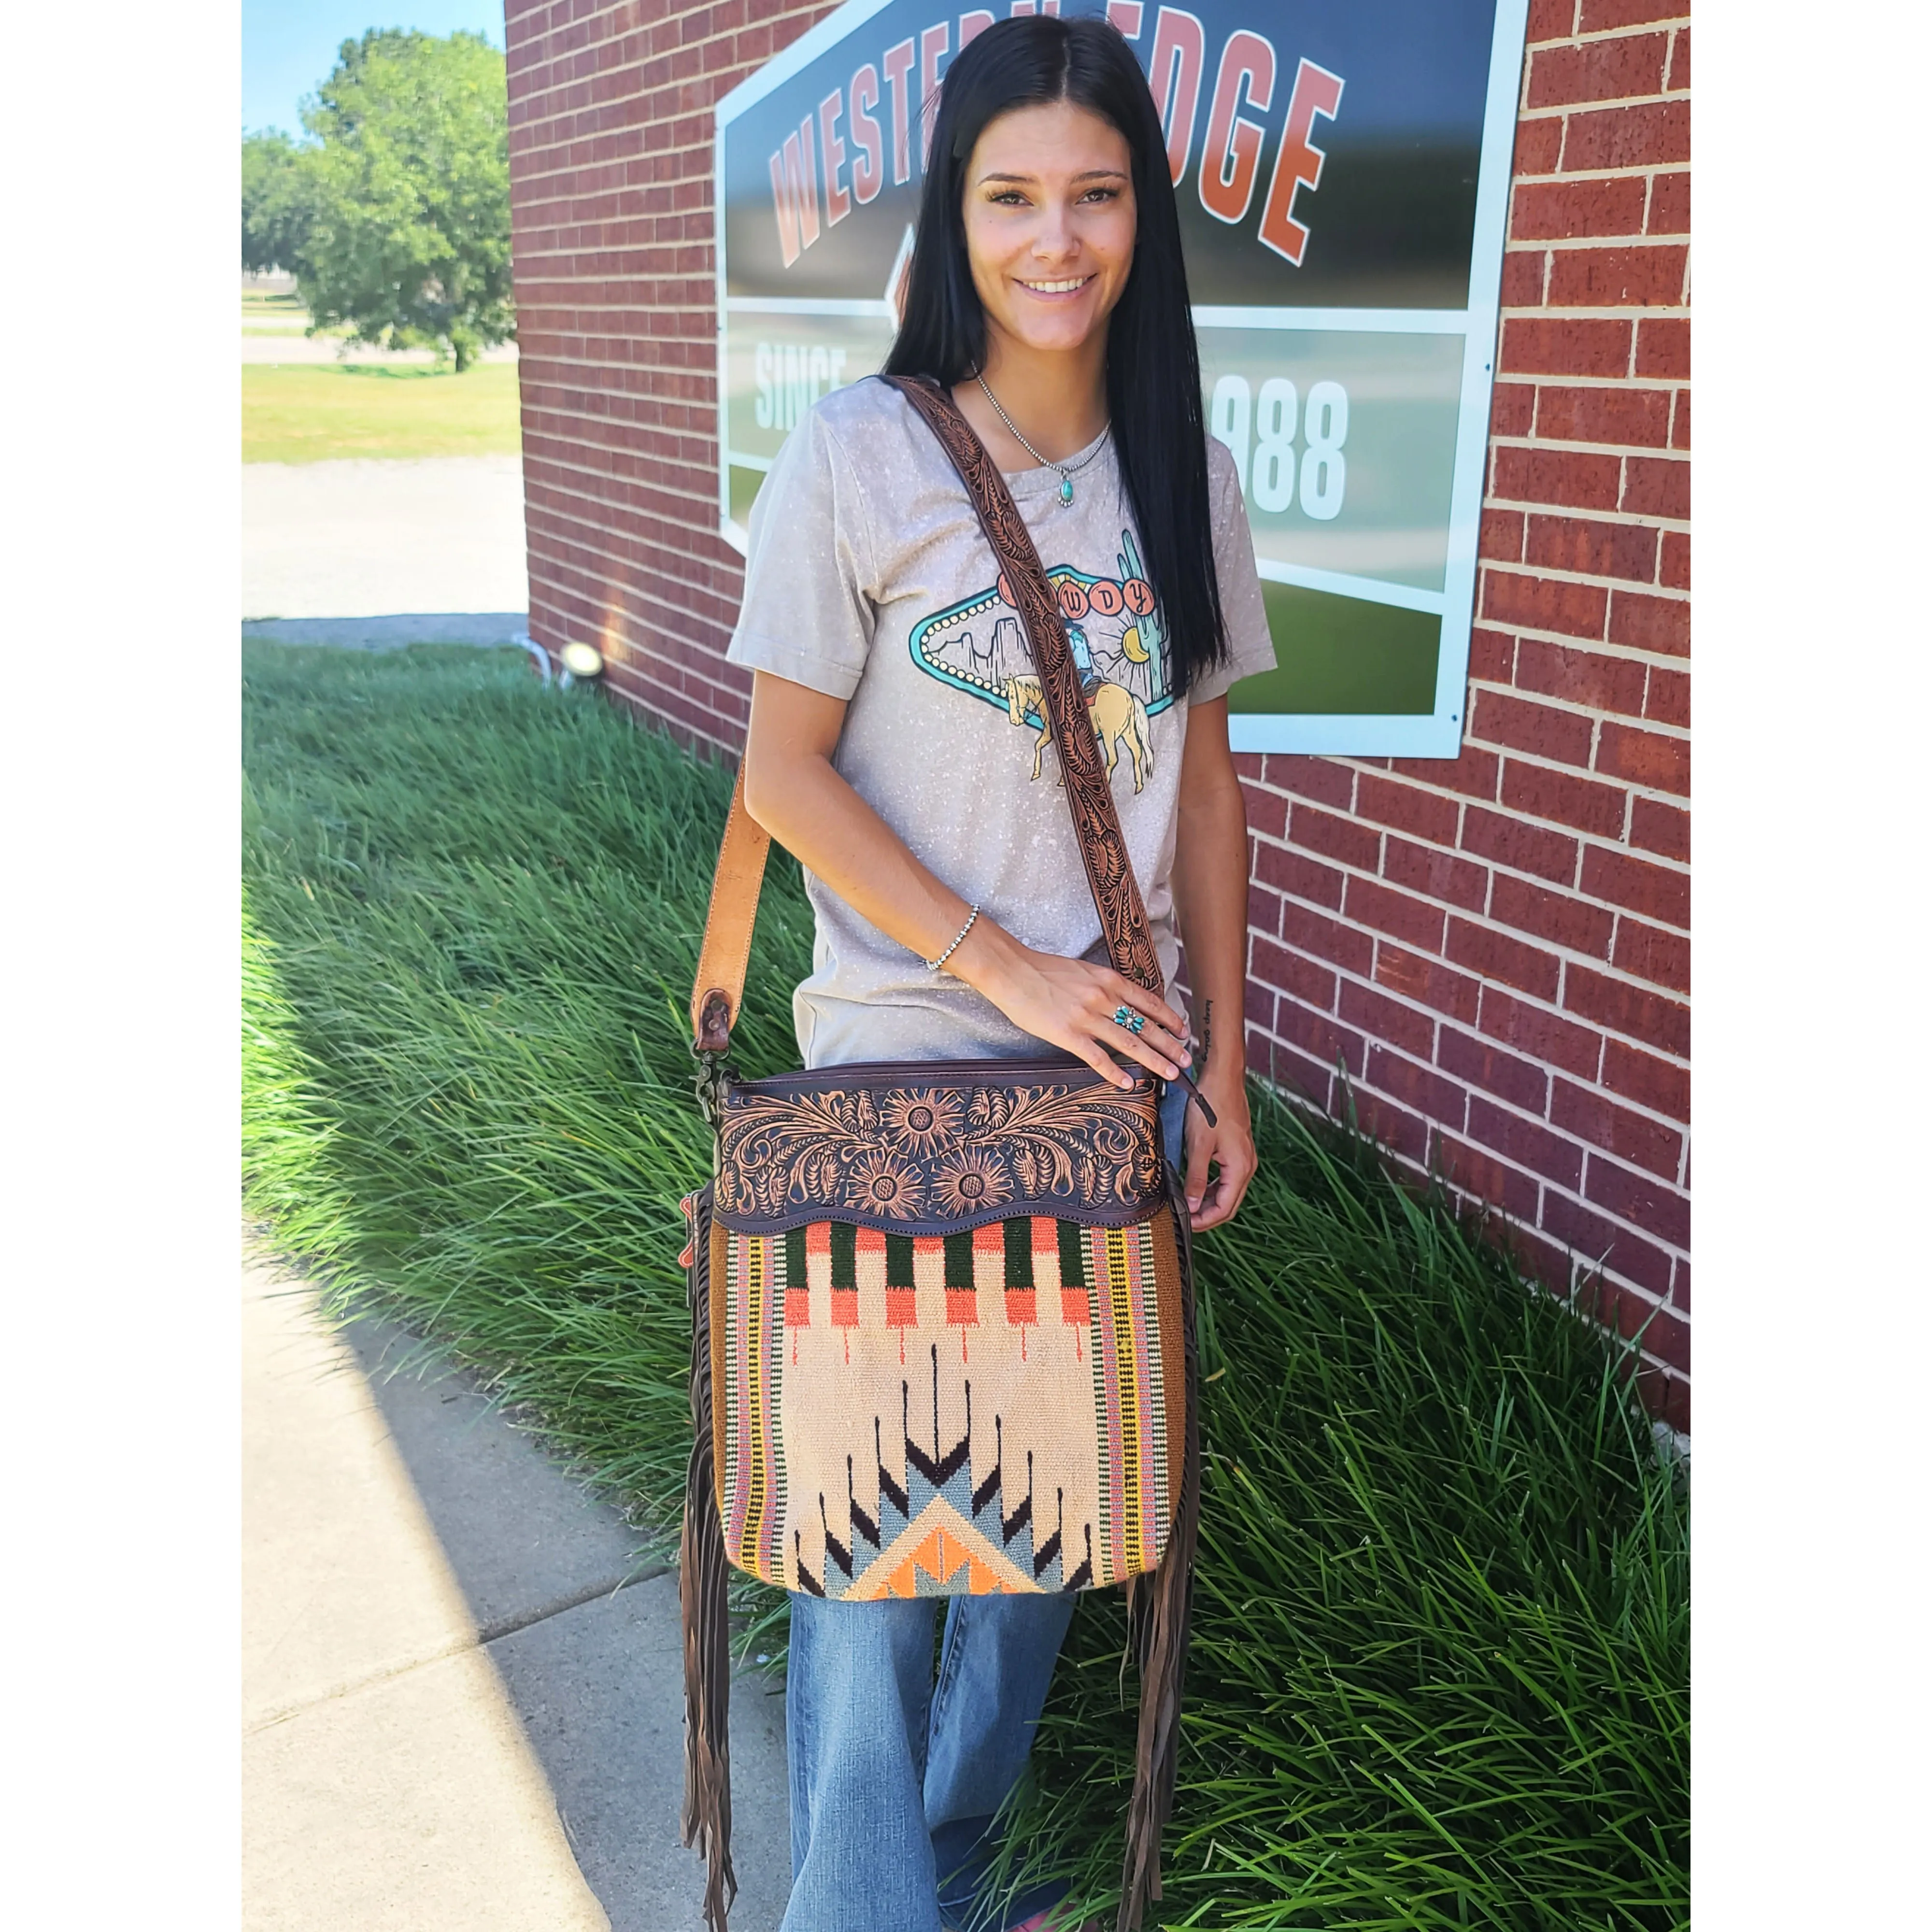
(1440, 1660)
(307, 412)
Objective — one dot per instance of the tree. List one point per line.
(274, 205)
(408, 186)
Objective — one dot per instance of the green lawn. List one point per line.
(306, 413)
(1440, 1650)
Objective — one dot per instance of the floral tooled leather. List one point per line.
(1102, 849)
(934, 1157)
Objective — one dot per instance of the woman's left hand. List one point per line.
(1228, 1148)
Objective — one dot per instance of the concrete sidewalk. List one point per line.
(462, 1694)
(367, 537)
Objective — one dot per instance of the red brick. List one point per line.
(1668, 699)
(1525, 1142)
(1342, 839)
(1651, 953)
(1435, 874)
(1630, 1136)
(1617, 277)
(1559, 476)
(1413, 921)
(1305, 878)
(1537, 1259)
(1440, 1101)
(1328, 939)
(1473, 771)
(1556, 917)
(1656, 486)
(1384, 1018)
(1646, 758)
(1680, 62)
(1602, 1244)
(1589, 678)
(1495, 956)
(1545, 1035)
(1653, 134)
(1642, 623)
(1501, 535)
(1492, 655)
(1264, 910)
(1638, 885)
(1539, 145)
(1680, 421)
(1512, 409)
(1407, 808)
(1674, 565)
(1418, 977)
(1396, 1128)
(1669, 205)
(1593, 548)
(1542, 730)
(1301, 978)
(1284, 1068)
(1475, 1171)
(1267, 810)
(1257, 1005)
(1521, 1082)
(1545, 792)
(1561, 211)
(1660, 1085)
(1618, 70)
(1601, 16)
(1533, 346)
(1321, 779)
(1524, 271)
(1660, 828)
(1640, 1199)
(1319, 1037)
(1544, 603)
(1680, 1286)
(1575, 412)
(1552, 20)
(1667, 1398)
(1522, 847)
(1663, 347)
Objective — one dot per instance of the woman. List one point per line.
(891, 749)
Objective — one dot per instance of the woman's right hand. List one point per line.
(1071, 1004)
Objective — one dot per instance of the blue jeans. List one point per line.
(895, 1780)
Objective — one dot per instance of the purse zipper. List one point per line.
(871, 1073)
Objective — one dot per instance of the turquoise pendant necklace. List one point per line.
(1065, 470)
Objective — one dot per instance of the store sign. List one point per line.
(1342, 168)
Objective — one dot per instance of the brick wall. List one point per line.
(1495, 947)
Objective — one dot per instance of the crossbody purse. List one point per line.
(942, 1319)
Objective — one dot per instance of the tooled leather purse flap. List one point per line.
(938, 1149)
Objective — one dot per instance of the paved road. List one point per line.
(371, 537)
(462, 1694)
(290, 345)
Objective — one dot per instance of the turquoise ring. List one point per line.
(1126, 1017)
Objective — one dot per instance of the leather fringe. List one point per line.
(702, 1575)
(1159, 1610)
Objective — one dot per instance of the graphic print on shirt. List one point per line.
(979, 646)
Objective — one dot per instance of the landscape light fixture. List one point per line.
(583, 660)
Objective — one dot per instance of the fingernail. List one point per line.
(1194, 1203)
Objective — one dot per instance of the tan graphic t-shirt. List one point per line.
(869, 579)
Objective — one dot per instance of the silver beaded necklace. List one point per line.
(1067, 470)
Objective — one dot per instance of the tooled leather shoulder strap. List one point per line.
(720, 984)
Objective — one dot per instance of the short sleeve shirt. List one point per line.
(868, 578)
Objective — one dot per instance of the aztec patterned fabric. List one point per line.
(996, 1409)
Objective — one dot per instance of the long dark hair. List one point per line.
(1154, 368)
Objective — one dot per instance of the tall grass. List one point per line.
(1440, 1656)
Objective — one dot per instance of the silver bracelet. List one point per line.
(934, 965)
